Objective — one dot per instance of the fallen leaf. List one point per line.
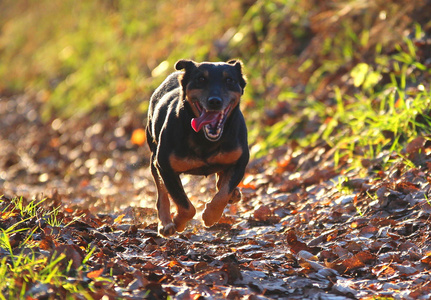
(295, 245)
(94, 274)
(262, 213)
(415, 145)
(119, 218)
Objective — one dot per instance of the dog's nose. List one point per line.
(215, 103)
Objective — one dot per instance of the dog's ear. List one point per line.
(238, 66)
(185, 64)
(188, 66)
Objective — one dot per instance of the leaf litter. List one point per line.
(304, 230)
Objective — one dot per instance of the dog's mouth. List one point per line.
(212, 121)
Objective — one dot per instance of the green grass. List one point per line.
(377, 108)
(380, 117)
(22, 264)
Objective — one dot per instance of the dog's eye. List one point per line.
(201, 79)
(230, 81)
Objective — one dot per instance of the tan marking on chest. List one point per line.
(184, 164)
(225, 158)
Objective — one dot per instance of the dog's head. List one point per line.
(213, 91)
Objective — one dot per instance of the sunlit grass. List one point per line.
(381, 120)
(22, 265)
(377, 118)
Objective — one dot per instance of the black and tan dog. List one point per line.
(195, 126)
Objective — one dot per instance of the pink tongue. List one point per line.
(205, 118)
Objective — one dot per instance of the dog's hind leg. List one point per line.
(166, 227)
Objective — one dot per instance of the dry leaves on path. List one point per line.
(305, 230)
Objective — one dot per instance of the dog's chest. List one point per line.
(204, 166)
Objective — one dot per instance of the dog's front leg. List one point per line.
(173, 185)
(227, 182)
(214, 209)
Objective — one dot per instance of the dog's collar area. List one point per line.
(212, 122)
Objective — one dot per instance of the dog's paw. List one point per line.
(236, 196)
(167, 230)
(210, 217)
(180, 225)
(183, 216)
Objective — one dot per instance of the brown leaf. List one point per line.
(407, 187)
(47, 243)
(352, 263)
(327, 255)
(368, 231)
(360, 222)
(289, 185)
(366, 257)
(422, 290)
(384, 271)
(233, 272)
(213, 277)
(415, 145)
(358, 261)
(262, 213)
(357, 184)
(295, 245)
(139, 282)
(200, 266)
(72, 252)
(149, 266)
(341, 252)
(285, 165)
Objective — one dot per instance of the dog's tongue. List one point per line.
(205, 118)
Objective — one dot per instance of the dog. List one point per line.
(195, 126)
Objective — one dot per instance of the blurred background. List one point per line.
(76, 76)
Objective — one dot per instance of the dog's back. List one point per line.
(169, 84)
